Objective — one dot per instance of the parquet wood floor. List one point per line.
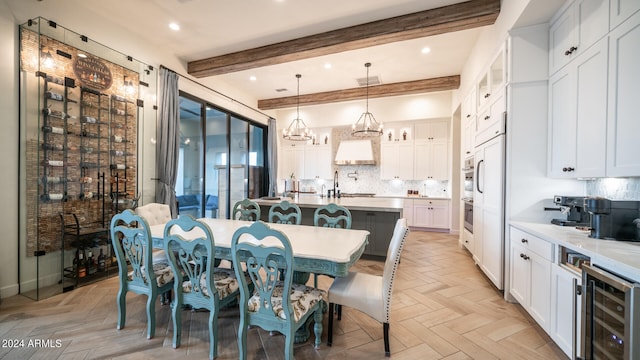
(443, 308)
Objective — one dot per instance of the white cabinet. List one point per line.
(317, 162)
(491, 81)
(623, 146)
(396, 160)
(488, 210)
(530, 274)
(578, 27)
(467, 239)
(621, 10)
(468, 137)
(490, 121)
(578, 116)
(407, 211)
(292, 160)
(431, 213)
(566, 308)
(432, 131)
(468, 106)
(431, 160)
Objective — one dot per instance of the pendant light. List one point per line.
(297, 130)
(366, 124)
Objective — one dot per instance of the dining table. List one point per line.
(319, 250)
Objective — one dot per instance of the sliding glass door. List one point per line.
(230, 152)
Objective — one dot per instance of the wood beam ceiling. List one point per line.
(456, 17)
(395, 89)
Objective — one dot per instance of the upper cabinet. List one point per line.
(624, 87)
(575, 29)
(621, 10)
(307, 159)
(432, 131)
(492, 81)
(468, 106)
(396, 160)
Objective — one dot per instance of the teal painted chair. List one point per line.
(333, 216)
(245, 210)
(370, 294)
(275, 305)
(131, 241)
(285, 212)
(197, 282)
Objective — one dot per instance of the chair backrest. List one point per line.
(154, 213)
(248, 246)
(400, 233)
(285, 212)
(245, 210)
(191, 259)
(131, 241)
(333, 216)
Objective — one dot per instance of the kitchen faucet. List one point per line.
(335, 183)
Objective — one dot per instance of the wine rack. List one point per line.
(122, 150)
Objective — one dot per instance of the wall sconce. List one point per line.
(128, 86)
(47, 59)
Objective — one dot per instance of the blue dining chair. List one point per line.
(245, 210)
(370, 294)
(285, 212)
(333, 216)
(275, 305)
(197, 282)
(131, 241)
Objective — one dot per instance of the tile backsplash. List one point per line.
(615, 188)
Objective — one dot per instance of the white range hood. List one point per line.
(355, 152)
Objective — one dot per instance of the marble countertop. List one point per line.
(621, 257)
(412, 197)
(351, 203)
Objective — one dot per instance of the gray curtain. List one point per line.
(168, 144)
(272, 157)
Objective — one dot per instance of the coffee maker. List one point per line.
(573, 208)
(613, 219)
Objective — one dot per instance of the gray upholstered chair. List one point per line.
(245, 210)
(275, 305)
(131, 241)
(285, 212)
(197, 282)
(370, 294)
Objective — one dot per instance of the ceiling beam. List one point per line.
(456, 17)
(395, 89)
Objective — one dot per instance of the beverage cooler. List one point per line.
(610, 320)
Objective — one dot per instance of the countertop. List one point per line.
(412, 197)
(621, 257)
(351, 203)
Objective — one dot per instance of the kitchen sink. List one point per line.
(352, 195)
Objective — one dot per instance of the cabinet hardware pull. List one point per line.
(487, 117)
(524, 241)
(487, 95)
(525, 257)
(570, 51)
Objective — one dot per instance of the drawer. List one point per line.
(423, 202)
(532, 243)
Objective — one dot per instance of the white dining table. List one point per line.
(319, 250)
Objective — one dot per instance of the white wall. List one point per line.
(9, 150)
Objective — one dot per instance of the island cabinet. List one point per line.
(431, 213)
(531, 259)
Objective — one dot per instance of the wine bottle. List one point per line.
(53, 129)
(118, 139)
(117, 152)
(49, 146)
(52, 197)
(86, 180)
(119, 98)
(86, 195)
(55, 163)
(82, 266)
(52, 180)
(118, 166)
(91, 265)
(53, 96)
(88, 120)
(55, 80)
(102, 261)
(54, 113)
(89, 165)
(90, 134)
(118, 112)
(86, 149)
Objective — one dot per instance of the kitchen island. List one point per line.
(376, 215)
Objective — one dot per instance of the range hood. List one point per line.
(355, 152)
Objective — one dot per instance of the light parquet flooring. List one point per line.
(443, 308)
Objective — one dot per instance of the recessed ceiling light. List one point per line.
(426, 50)
(253, 78)
(82, 55)
(174, 26)
(327, 66)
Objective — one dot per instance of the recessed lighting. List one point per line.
(82, 55)
(426, 50)
(327, 66)
(174, 26)
(253, 78)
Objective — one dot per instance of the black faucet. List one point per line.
(335, 183)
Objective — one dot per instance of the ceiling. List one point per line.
(216, 27)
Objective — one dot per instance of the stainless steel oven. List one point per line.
(610, 320)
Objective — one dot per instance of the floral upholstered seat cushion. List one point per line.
(302, 298)
(224, 280)
(163, 272)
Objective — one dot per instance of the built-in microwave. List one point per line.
(468, 181)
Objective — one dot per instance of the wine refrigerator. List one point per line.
(610, 320)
